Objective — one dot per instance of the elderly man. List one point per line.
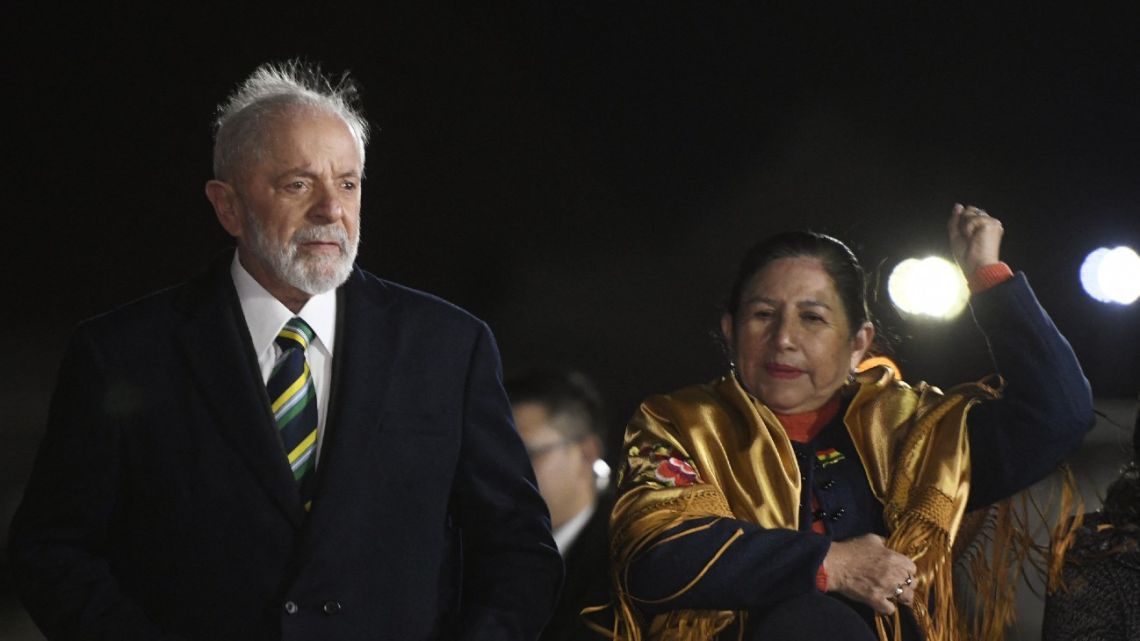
(559, 415)
(285, 447)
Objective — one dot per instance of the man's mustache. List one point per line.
(327, 234)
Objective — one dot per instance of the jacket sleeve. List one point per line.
(512, 570)
(677, 544)
(1046, 406)
(725, 564)
(60, 531)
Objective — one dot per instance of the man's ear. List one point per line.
(591, 448)
(224, 198)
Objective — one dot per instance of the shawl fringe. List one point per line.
(996, 549)
(651, 520)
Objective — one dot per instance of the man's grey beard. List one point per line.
(310, 274)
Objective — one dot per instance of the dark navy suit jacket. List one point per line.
(161, 506)
(587, 582)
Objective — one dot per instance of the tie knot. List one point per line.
(296, 333)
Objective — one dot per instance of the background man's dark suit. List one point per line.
(161, 503)
(587, 581)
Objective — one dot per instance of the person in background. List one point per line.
(797, 498)
(1099, 598)
(560, 418)
(286, 446)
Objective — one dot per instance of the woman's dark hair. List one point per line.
(1136, 437)
(838, 261)
(1122, 502)
(1121, 510)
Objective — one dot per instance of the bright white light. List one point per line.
(601, 474)
(931, 287)
(1089, 270)
(1112, 275)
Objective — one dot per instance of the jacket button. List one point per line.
(838, 514)
(828, 485)
(331, 607)
(290, 607)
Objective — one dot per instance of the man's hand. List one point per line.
(865, 570)
(975, 238)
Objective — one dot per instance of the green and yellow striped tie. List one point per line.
(293, 399)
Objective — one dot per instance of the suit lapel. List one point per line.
(366, 342)
(223, 366)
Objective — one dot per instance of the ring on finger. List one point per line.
(909, 580)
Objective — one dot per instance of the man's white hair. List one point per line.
(273, 89)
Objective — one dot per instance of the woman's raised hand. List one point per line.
(975, 238)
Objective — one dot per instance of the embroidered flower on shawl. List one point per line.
(661, 465)
(675, 472)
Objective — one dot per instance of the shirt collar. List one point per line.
(265, 315)
(564, 536)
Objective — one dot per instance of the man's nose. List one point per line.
(329, 205)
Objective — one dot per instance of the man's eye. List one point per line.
(297, 185)
(349, 185)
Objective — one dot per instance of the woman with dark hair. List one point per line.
(1099, 598)
(799, 498)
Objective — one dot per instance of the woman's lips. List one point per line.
(775, 370)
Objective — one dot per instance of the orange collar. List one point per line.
(804, 426)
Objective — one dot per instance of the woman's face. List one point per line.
(790, 338)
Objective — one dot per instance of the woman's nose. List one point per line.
(783, 334)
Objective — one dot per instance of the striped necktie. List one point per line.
(293, 399)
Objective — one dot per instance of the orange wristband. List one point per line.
(987, 276)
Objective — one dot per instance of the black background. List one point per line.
(585, 176)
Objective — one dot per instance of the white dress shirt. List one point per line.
(564, 536)
(265, 316)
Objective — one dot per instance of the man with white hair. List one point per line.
(285, 447)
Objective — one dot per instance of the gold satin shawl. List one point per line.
(713, 450)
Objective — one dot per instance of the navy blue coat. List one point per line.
(1045, 411)
(161, 506)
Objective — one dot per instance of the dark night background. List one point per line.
(585, 176)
